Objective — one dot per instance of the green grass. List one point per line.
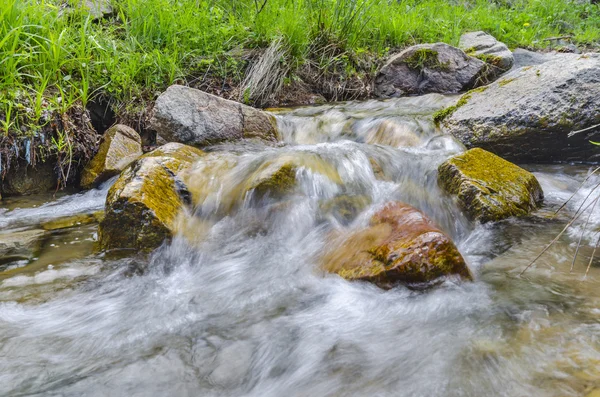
(52, 60)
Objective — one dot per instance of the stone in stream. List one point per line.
(392, 133)
(142, 205)
(120, 146)
(400, 245)
(72, 220)
(193, 117)
(19, 245)
(485, 47)
(217, 178)
(528, 114)
(25, 179)
(427, 68)
(489, 188)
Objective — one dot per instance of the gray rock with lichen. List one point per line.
(528, 114)
(427, 68)
(193, 117)
(485, 47)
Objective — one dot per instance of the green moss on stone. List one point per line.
(442, 114)
(277, 183)
(488, 187)
(424, 58)
(490, 59)
(504, 82)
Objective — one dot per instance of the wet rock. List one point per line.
(394, 134)
(19, 245)
(527, 115)
(142, 205)
(25, 179)
(485, 47)
(489, 188)
(275, 179)
(401, 245)
(190, 116)
(120, 146)
(73, 220)
(345, 208)
(427, 68)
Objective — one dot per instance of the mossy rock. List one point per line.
(401, 245)
(278, 177)
(488, 187)
(120, 146)
(143, 204)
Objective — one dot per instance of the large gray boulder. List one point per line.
(485, 47)
(427, 68)
(193, 117)
(527, 115)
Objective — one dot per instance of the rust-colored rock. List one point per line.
(401, 245)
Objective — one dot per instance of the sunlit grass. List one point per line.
(49, 52)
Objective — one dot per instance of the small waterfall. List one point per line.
(236, 305)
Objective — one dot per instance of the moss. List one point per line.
(442, 114)
(504, 82)
(424, 58)
(488, 187)
(280, 182)
(490, 59)
(142, 205)
(74, 220)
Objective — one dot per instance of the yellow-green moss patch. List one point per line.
(488, 187)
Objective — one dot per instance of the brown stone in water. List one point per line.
(401, 245)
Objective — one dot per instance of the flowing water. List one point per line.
(236, 305)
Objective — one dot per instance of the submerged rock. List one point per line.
(19, 245)
(394, 134)
(25, 179)
(73, 220)
(489, 188)
(219, 183)
(427, 68)
(345, 208)
(190, 116)
(142, 205)
(120, 146)
(485, 47)
(401, 245)
(528, 114)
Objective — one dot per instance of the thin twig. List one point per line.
(575, 217)
(577, 190)
(583, 130)
(592, 257)
(582, 233)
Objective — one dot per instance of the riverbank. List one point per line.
(70, 71)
